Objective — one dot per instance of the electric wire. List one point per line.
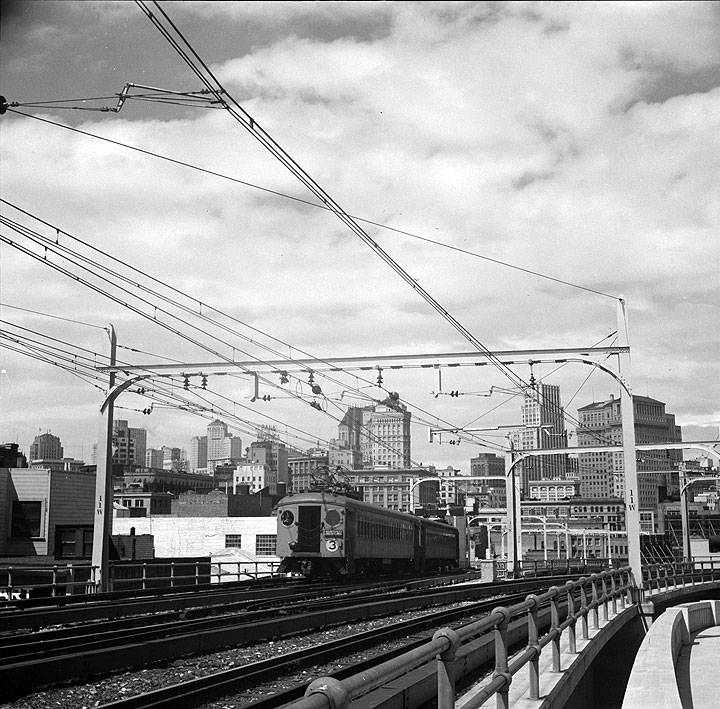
(47, 315)
(49, 247)
(250, 124)
(55, 244)
(317, 205)
(72, 363)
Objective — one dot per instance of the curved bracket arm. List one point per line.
(120, 388)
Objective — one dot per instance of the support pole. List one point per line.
(512, 506)
(684, 489)
(102, 528)
(627, 413)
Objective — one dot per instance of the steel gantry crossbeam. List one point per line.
(422, 360)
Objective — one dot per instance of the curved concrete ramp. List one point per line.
(677, 665)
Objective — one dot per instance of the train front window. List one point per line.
(308, 528)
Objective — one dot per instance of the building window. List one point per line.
(67, 543)
(265, 544)
(233, 541)
(87, 542)
(26, 519)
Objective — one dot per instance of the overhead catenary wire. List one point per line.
(74, 364)
(241, 116)
(198, 99)
(469, 253)
(54, 243)
(56, 317)
(50, 245)
(186, 57)
(316, 205)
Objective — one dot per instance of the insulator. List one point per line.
(284, 378)
(204, 382)
(186, 383)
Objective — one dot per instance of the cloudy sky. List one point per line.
(576, 140)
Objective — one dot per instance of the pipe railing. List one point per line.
(327, 692)
(587, 602)
(20, 582)
(62, 580)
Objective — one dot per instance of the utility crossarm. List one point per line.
(706, 446)
(370, 362)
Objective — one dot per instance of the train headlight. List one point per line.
(287, 518)
(332, 518)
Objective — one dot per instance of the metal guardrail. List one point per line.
(588, 600)
(62, 580)
(71, 579)
(661, 576)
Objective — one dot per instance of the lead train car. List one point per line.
(321, 533)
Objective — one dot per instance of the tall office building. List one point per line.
(222, 446)
(542, 427)
(491, 491)
(274, 455)
(385, 435)
(46, 447)
(172, 458)
(373, 436)
(602, 474)
(154, 458)
(304, 469)
(344, 451)
(129, 444)
(197, 458)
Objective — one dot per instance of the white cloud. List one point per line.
(523, 132)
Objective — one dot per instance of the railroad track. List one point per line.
(42, 659)
(212, 687)
(65, 610)
(204, 689)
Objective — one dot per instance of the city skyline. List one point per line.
(574, 141)
(367, 437)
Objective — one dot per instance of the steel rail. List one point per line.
(25, 648)
(146, 647)
(202, 689)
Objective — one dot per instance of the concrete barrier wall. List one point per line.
(698, 615)
(653, 681)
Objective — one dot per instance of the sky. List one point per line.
(580, 141)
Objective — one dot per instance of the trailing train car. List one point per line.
(322, 533)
